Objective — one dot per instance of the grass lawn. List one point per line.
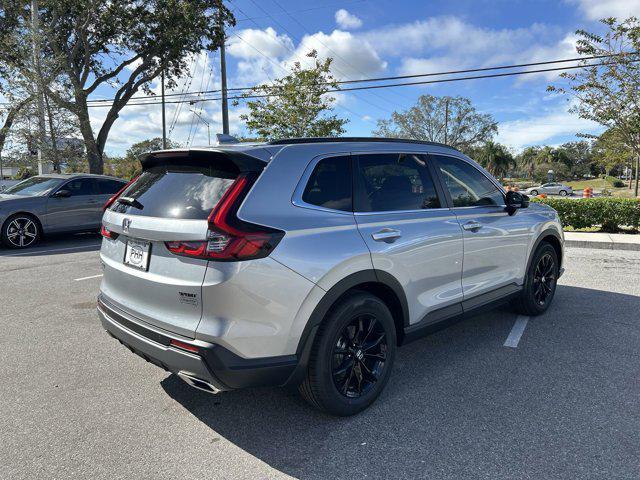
(598, 184)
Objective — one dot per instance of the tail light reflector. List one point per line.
(228, 237)
(184, 346)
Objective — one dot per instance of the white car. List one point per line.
(550, 189)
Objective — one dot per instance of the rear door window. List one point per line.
(109, 187)
(81, 186)
(176, 191)
(330, 184)
(394, 182)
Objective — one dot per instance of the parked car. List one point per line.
(550, 189)
(309, 261)
(4, 184)
(53, 204)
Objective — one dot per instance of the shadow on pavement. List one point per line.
(461, 405)
(55, 244)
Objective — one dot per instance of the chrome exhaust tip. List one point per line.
(198, 383)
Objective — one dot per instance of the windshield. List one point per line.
(34, 186)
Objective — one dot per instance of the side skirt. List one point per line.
(447, 316)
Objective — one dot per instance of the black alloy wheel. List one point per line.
(540, 283)
(544, 279)
(352, 355)
(359, 356)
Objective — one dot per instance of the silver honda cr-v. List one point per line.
(308, 261)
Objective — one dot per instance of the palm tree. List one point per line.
(496, 159)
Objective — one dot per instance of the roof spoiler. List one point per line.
(225, 159)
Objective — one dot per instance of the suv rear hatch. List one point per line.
(163, 229)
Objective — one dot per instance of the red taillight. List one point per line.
(118, 193)
(229, 238)
(184, 346)
(106, 233)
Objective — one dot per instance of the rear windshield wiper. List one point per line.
(132, 202)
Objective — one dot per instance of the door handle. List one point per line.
(472, 226)
(388, 235)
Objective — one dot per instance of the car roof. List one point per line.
(302, 140)
(67, 176)
(266, 150)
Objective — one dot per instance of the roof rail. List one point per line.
(295, 141)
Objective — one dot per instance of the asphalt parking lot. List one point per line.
(563, 401)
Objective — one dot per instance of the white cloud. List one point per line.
(597, 9)
(353, 56)
(542, 129)
(252, 43)
(347, 20)
(450, 43)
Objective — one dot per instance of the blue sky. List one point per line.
(383, 37)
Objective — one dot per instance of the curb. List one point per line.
(602, 245)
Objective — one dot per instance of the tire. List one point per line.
(342, 379)
(534, 193)
(563, 193)
(21, 231)
(544, 264)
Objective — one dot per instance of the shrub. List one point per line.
(608, 213)
(619, 184)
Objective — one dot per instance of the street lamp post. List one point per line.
(205, 122)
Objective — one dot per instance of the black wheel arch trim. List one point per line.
(541, 237)
(321, 310)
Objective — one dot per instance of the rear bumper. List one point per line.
(213, 369)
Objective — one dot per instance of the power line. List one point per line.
(395, 77)
(304, 10)
(401, 84)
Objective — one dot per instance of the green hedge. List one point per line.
(608, 213)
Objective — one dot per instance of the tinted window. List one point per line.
(108, 187)
(80, 186)
(330, 184)
(391, 182)
(467, 185)
(34, 186)
(176, 191)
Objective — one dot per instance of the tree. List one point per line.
(450, 120)
(129, 166)
(609, 94)
(610, 151)
(496, 159)
(296, 105)
(528, 160)
(10, 116)
(578, 156)
(122, 44)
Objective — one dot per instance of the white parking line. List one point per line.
(87, 278)
(516, 332)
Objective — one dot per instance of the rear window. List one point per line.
(176, 191)
(330, 184)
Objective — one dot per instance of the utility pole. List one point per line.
(446, 119)
(164, 120)
(35, 33)
(637, 173)
(223, 74)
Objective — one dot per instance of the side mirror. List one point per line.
(62, 194)
(515, 200)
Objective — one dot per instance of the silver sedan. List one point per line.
(550, 189)
(53, 204)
